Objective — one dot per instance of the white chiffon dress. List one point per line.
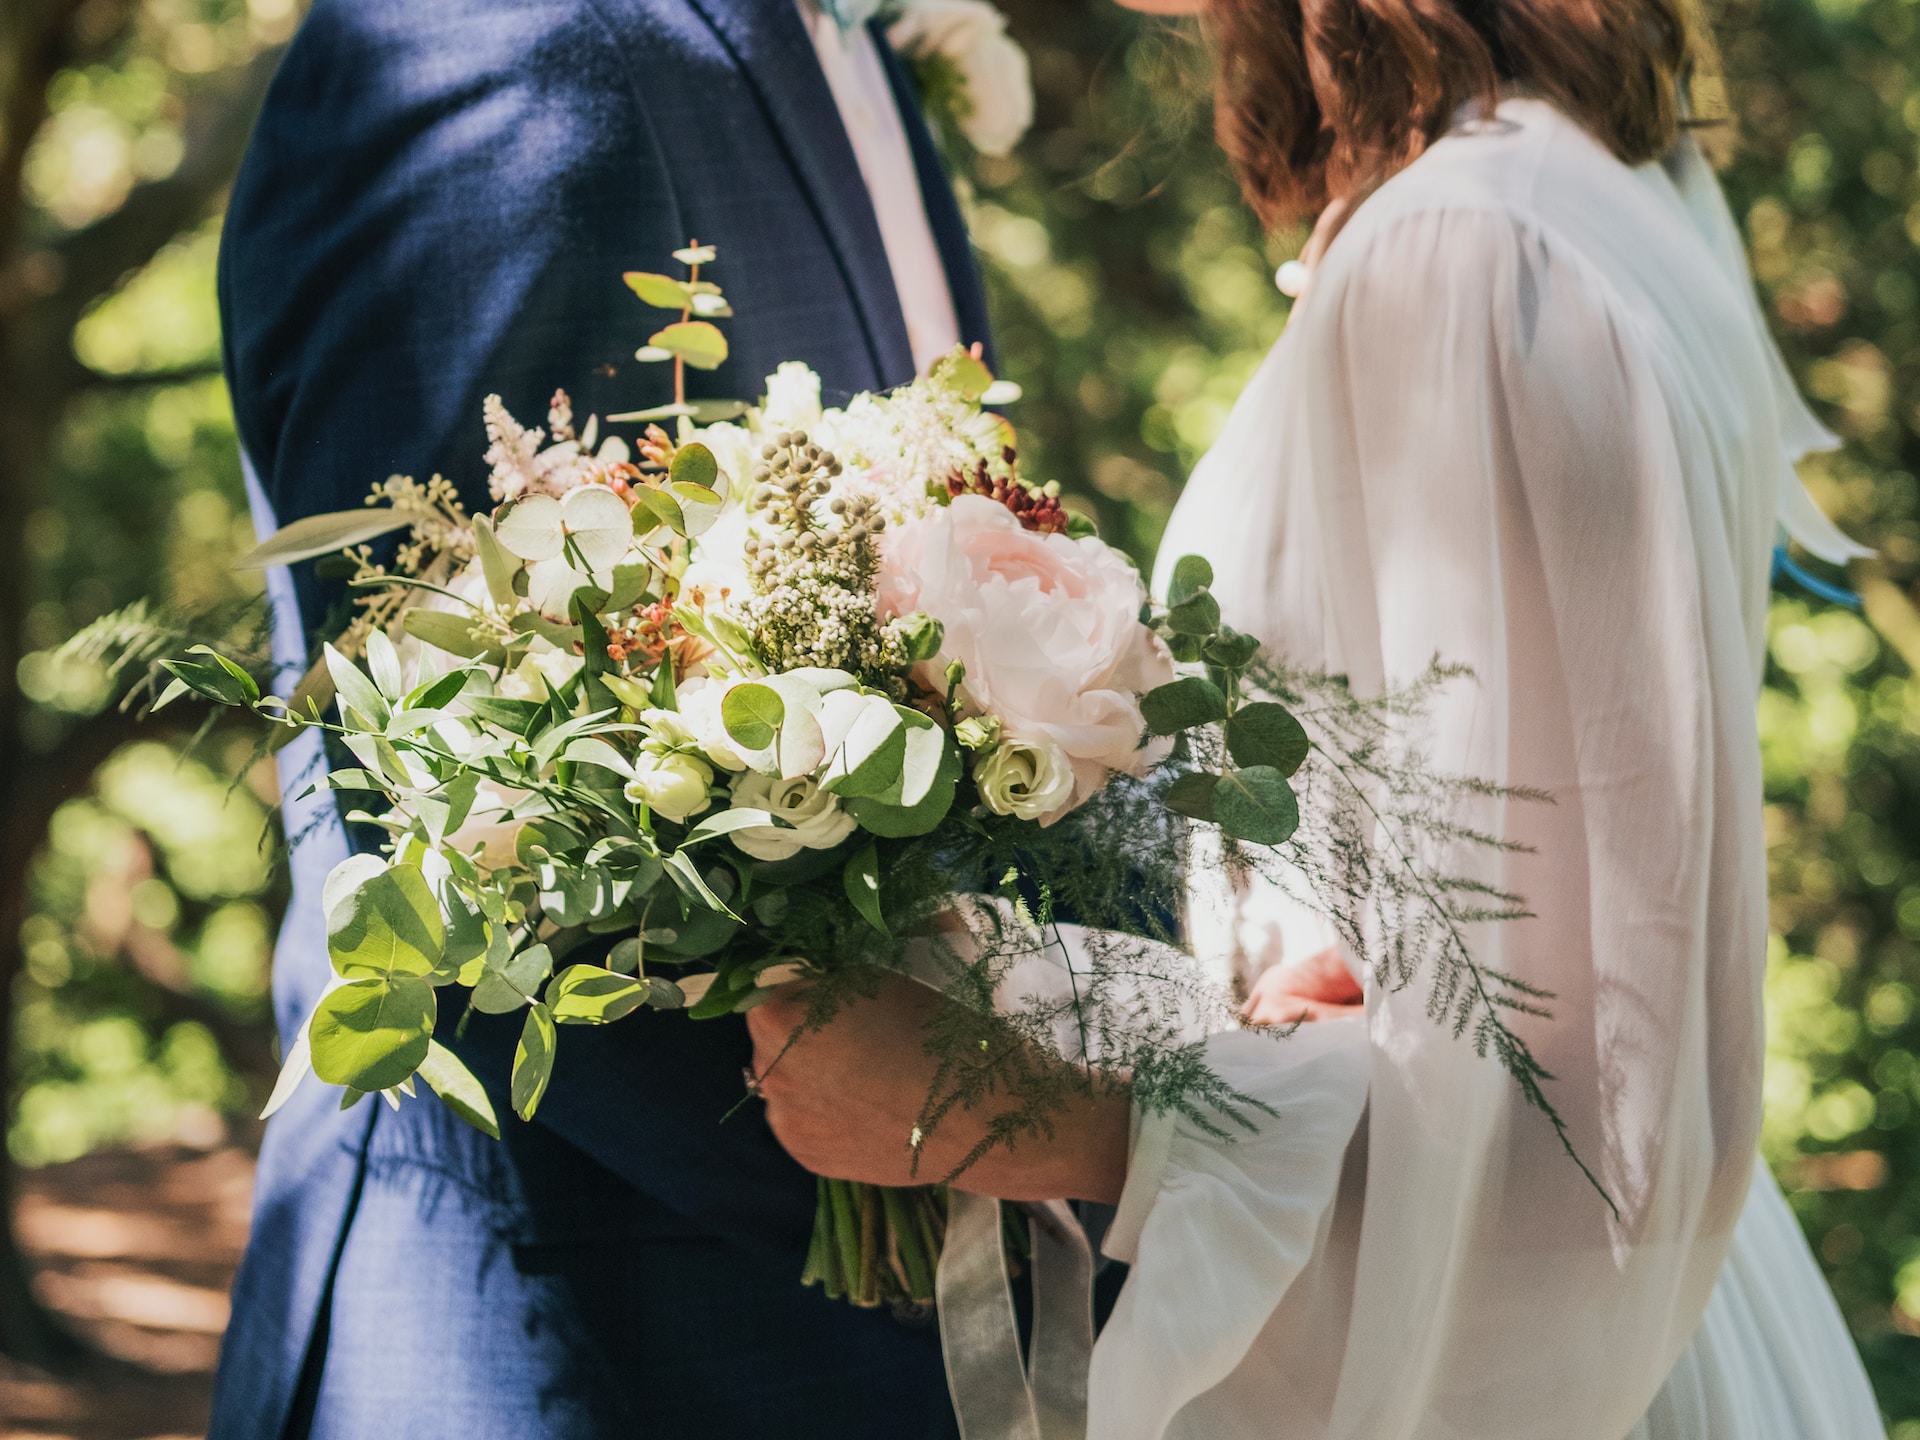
(1527, 419)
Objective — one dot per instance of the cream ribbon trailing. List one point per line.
(997, 1396)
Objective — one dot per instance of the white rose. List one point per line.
(540, 673)
(1032, 780)
(816, 817)
(673, 786)
(793, 399)
(996, 107)
(717, 570)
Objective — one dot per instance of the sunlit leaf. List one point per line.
(322, 535)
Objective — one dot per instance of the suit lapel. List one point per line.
(943, 209)
(768, 40)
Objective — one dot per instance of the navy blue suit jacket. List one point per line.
(439, 201)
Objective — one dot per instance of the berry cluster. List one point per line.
(1038, 510)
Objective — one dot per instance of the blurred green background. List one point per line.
(1133, 296)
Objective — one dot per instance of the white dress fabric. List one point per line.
(1528, 420)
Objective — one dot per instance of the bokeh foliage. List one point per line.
(1133, 296)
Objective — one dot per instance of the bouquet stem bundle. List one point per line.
(876, 1245)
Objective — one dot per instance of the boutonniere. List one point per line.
(971, 72)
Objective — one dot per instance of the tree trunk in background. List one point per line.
(45, 287)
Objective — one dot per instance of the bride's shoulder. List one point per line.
(1476, 219)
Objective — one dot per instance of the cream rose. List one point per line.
(1032, 782)
(699, 700)
(816, 817)
(673, 786)
(1048, 629)
(996, 104)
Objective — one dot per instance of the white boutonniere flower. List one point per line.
(967, 60)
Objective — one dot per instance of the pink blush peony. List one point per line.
(1048, 628)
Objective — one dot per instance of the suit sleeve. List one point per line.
(438, 204)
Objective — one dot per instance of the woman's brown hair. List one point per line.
(1317, 98)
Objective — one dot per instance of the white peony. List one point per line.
(996, 104)
(1030, 780)
(673, 786)
(817, 821)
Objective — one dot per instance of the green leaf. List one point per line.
(497, 567)
(962, 372)
(728, 821)
(663, 695)
(698, 343)
(866, 743)
(455, 634)
(372, 1034)
(1182, 704)
(896, 821)
(322, 535)
(589, 995)
(514, 716)
(454, 1083)
(439, 693)
(752, 714)
(383, 662)
(599, 525)
(533, 1061)
(511, 981)
(1191, 575)
(390, 927)
(653, 508)
(1192, 795)
(694, 465)
(355, 690)
(592, 750)
(663, 292)
(686, 875)
(862, 879)
(214, 681)
(1198, 616)
(531, 527)
(1256, 805)
(1230, 650)
(1265, 733)
(630, 583)
(624, 958)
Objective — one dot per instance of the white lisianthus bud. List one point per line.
(673, 786)
(1032, 780)
(818, 822)
(666, 731)
(978, 732)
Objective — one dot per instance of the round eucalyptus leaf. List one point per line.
(1182, 704)
(1265, 733)
(390, 927)
(531, 527)
(600, 524)
(752, 714)
(1256, 805)
(372, 1034)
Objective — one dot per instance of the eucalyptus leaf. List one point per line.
(591, 995)
(895, 820)
(449, 1078)
(531, 527)
(653, 508)
(1256, 805)
(1191, 575)
(1192, 795)
(533, 1061)
(392, 927)
(600, 525)
(1198, 616)
(752, 714)
(698, 343)
(1266, 733)
(866, 739)
(1182, 704)
(862, 881)
(372, 1034)
(694, 464)
(322, 535)
(662, 292)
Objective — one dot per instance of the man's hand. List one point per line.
(844, 1101)
(1317, 988)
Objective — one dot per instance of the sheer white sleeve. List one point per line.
(1471, 446)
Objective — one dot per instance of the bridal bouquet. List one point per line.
(738, 703)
